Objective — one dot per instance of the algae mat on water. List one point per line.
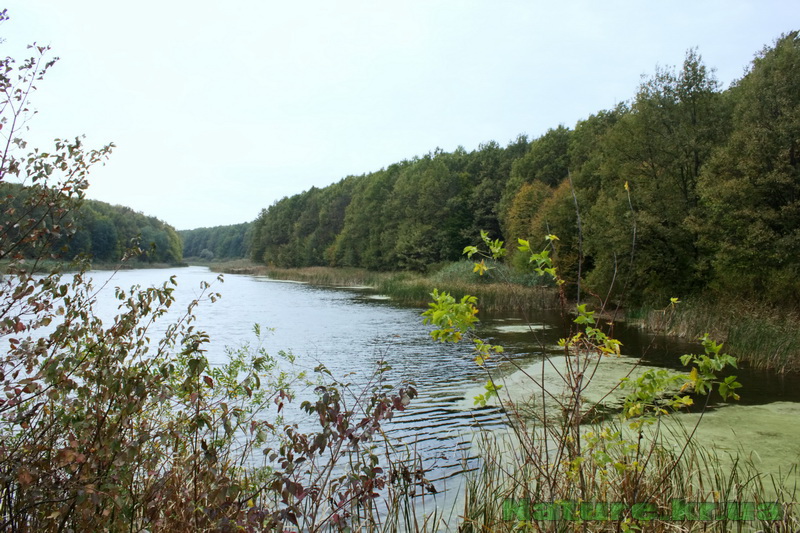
(767, 435)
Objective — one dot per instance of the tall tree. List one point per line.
(654, 156)
(546, 162)
(751, 189)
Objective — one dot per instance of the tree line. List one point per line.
(685, 187)
(103, 231)
(218, 242)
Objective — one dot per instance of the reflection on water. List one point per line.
(349, 330)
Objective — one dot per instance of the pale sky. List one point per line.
(218, 109)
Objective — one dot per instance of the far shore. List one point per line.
(49, 265)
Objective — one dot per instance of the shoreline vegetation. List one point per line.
(410, 288)
(107, 430)
(45, 266)
(562, 445)
(760, 335)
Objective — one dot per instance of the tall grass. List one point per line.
(511, 491)
(492, 297)
(762, 335)
(328, 276)
(408, 288)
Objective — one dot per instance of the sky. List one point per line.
(219, 109)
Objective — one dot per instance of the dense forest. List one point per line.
(219, 242)
(686, 187)
(103, 231)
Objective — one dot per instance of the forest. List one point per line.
(685, 188)
(219, 242)
(102, 231)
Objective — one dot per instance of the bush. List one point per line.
(106, 426)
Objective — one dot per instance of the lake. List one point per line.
(348, 330)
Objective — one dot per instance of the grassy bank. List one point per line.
(229, 266)
(492, 296)
(48, 265)
(761, 335)
(407, 288)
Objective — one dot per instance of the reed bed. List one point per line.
(328, 276)
(492, 297)
(760, 334)
(413, 289)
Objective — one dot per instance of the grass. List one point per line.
(760, 334)
(408, 288)
(492, 297)
(515, 491)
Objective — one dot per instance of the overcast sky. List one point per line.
(218, 109)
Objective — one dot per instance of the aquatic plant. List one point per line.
(571, 463)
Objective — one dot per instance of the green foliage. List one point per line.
(97, 229)
(524, 206)
(646, 401)
(494, 251)
(565, 450)
(656, 391)
(641, 228)
(301, 230)
(489, 168)
(409, 216)
(706, 367)
(219, 242)
(492, 391)
(541, 261)
(545, 163)
(751, 187)
(453, 319)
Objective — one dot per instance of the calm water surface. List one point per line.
(349, 330)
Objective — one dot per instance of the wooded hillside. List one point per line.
(685, 187)
(102, 230)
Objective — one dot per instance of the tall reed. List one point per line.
(760, 334)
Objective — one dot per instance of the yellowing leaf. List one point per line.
(480, 268)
